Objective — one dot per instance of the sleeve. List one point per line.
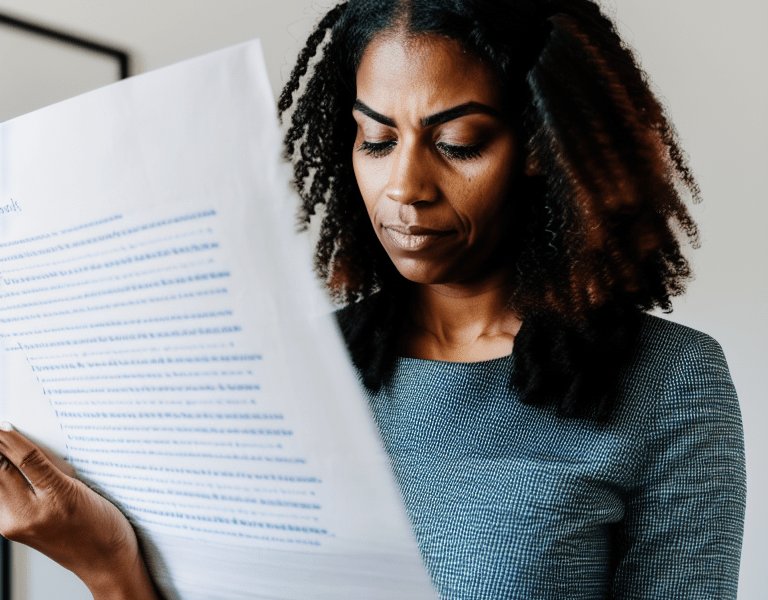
(681, 535)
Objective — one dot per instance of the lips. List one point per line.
(414, 237)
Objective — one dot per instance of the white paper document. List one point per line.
(161, 327)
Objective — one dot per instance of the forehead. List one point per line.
(421, 75)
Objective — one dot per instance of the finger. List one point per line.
(13, 484)
(58, 461)
(26, 456)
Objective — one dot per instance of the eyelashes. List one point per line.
(450, 151)
(455, 152)
(376, 149)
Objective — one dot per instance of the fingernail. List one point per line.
(6, 426)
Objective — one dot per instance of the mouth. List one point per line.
(413, 238)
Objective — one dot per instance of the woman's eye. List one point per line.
(450, 151)
(457, 152)
(376, 149)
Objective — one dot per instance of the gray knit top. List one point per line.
(512, 501)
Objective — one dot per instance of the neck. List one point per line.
(461, 323)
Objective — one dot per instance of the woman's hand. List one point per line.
(58, 515)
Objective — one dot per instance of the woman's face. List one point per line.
(433, 157)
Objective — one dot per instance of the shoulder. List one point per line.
(679, 381)
(685, 509)
(666, 340)
(666, 350)
(675, 372)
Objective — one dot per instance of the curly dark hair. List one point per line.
(598, 234)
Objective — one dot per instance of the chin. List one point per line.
(428, 273)
(420, 272)
(424, 272)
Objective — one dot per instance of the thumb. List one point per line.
(26, 456)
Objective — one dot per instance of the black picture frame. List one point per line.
(124, 65)
(122, 57)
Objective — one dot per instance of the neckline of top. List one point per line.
(457, 364)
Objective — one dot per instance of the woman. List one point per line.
(525, 189)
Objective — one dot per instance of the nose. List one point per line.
(412, 178)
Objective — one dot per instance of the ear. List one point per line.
(531, 167)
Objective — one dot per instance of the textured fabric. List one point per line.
(511, 501)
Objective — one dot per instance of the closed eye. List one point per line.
(450, 151)
(377, 149)
(459, 152)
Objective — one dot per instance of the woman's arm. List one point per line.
(681, 536)
(56, 514)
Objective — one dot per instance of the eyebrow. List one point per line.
(443, 116)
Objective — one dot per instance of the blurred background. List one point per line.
(708, 61)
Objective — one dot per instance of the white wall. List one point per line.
(707, 58)
(160, 33)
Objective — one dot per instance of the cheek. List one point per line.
(486, 204)
(371, 180)
(486, 189)
(362, 183)
(502, 172)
